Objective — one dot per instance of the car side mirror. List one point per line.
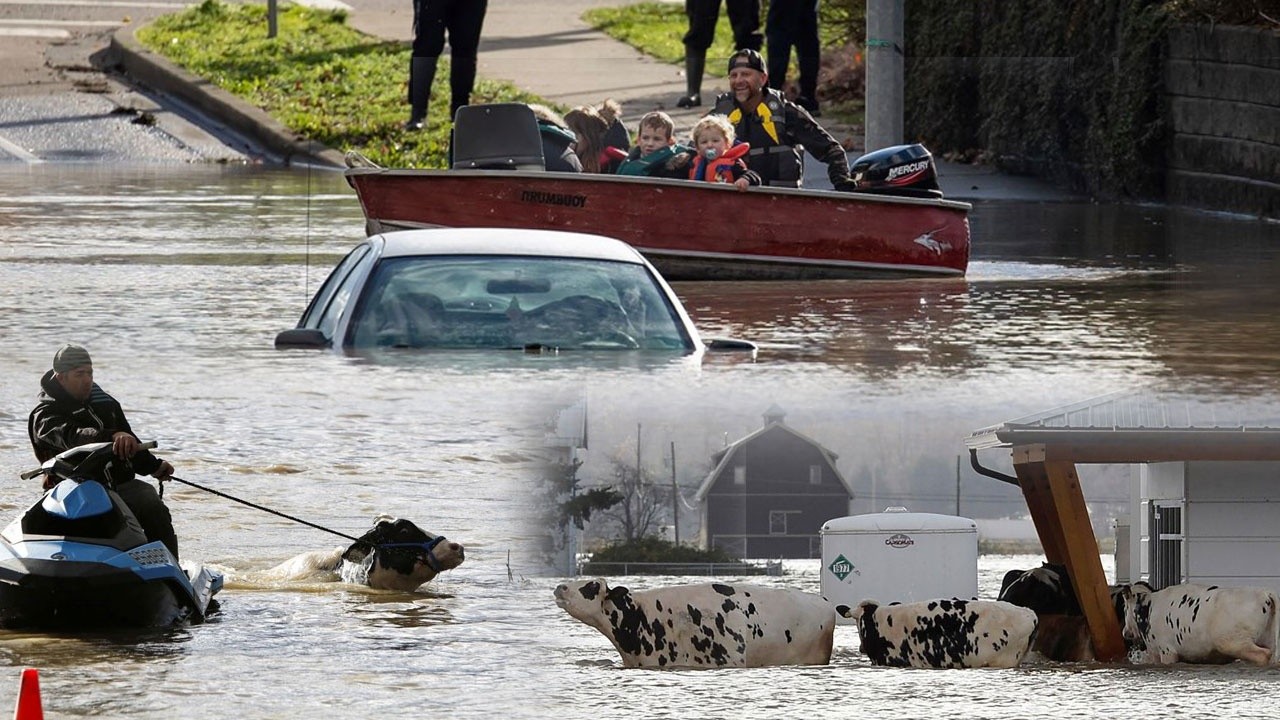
(301, 338)
(730, 345)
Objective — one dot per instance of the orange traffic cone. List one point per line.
(29, 707)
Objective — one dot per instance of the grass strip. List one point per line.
(318, 77)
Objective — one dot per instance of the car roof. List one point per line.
(506, 241)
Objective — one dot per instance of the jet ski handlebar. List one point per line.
(61, 460)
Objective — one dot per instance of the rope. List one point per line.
(269, 510)
(427, 547)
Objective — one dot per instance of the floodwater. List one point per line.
(177, 279)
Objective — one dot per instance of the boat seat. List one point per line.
(499, 136)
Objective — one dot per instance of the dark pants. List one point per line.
(793, 23)
(744, 18)
(461, 19)
(153, 515)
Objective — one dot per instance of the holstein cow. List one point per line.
(705, 626)
(1063, 634)
(394, 554)
(1046, 589)
(1201, 624)
(943, 633)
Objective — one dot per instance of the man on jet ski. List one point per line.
(73, 410)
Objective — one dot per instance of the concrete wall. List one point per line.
(1222, 103)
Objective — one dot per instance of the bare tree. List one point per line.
(644, 503)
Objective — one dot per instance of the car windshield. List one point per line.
(515, 302)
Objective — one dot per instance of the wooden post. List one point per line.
(1058, 508)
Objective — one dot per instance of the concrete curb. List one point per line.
(155, 72)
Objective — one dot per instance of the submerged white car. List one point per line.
(482, 288)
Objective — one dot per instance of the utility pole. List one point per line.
(271, 18)
(957, 485)
(885, 22)
(675, 496)
(637, 454)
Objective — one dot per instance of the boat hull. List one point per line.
(688, 230)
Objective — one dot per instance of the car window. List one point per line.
(341, 296)
(515, 302)
(319, 306)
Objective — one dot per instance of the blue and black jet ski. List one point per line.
(78, 559)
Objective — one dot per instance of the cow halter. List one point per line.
(427, 547)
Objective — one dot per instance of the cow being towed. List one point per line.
(1200, 624)
(943, 633)
(705, 626)
(394, 554)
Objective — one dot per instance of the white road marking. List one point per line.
(101, 3)
(18, 152)
(61, 23)
(34, 32)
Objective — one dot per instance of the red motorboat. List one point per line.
(900, 226)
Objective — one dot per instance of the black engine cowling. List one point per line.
(906, 170)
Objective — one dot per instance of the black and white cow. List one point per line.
(1046, 589)
(1201, 624)
(943, 633)
(1063, 634)
(394, 554)
(708, 625)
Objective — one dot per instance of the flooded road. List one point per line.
(178, 278)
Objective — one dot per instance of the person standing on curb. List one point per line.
(432, 19)
(794, 23)
(744, 18)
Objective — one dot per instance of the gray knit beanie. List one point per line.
(70, 357)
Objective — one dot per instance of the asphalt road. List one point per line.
(54, 106)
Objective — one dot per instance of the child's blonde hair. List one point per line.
(659, 121)
(714, 122)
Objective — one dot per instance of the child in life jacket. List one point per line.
(656, 153)
(719, 159)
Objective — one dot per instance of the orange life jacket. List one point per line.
(719, 170)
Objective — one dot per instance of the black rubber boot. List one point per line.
(422, 72)
(809, 84)
(694, 63)
(462, 77)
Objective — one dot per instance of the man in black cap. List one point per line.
(744, 18)
(778, 130)
(73, 410)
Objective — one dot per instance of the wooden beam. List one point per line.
(1084, 562)
(1056, 502)
(1028, 464)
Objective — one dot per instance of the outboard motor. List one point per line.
(905, 170)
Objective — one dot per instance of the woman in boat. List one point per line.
(591, 126)
(557, 140)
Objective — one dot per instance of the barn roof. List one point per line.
(1146, 426)
(724, 457)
